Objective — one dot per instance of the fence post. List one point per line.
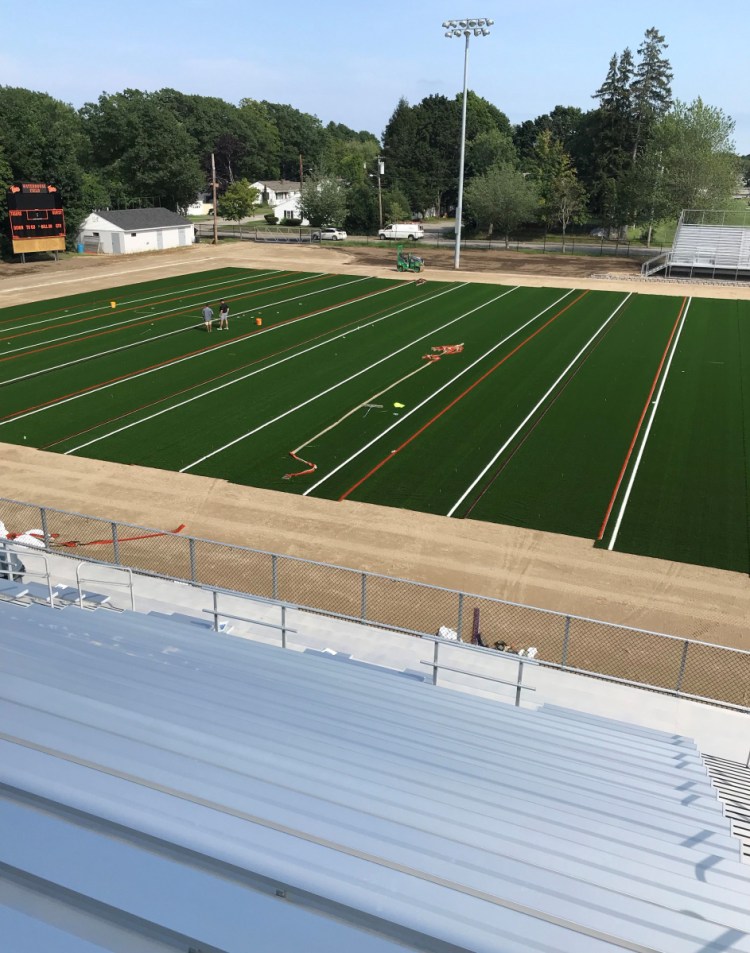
(566, 639)
(435, 663)
(115, 544)
(460, 620)
(683, 663)
(283, 627)
(274, 577)
(216, 610)
(45, 527)
(193, 564)
(363, 611)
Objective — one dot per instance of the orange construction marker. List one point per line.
(259, 322)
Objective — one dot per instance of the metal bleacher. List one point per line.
(166, 786)
(704, 250)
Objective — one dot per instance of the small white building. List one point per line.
(126, 231)
(203, 205)
(283, 196)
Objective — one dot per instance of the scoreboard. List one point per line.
(37, 220)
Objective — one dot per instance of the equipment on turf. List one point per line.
(407, 261)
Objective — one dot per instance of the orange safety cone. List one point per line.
(259, 322)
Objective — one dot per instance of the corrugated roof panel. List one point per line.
(446, 813)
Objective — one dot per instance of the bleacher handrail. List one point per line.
(412, 607)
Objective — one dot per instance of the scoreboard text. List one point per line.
(37, 220)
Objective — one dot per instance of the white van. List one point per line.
(410, 230)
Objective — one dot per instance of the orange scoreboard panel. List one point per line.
(37, 220)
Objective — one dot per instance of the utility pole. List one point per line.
(301, 176)
(213, 185)
(381, 171)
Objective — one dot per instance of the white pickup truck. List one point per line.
(409, 230)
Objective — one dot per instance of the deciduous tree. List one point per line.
(238, 201)
(501, 199)
(323, 200)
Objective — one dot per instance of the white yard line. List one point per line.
(190, 327)
(359, 406)
(654, 408)
(259, 370)
(444, 386)
(328, 390)
(201, 353)
(534, 409)
(97, 275)
(131, 301)
(139, 318)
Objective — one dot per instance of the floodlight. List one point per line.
(479, 26)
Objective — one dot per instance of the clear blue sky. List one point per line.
(351, 61)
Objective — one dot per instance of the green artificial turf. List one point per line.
(529, 425)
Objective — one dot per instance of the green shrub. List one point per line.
(271, 219)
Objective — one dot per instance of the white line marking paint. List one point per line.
(190, 327)
(127, 302)
(444, 386)
(140, 318)
(328, 390)
(258, 370)
(641, 449)
(95, 277)
(534, 409)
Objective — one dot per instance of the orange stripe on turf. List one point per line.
(639, 425)
(242, 337)
(459, 397)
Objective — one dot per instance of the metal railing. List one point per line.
(519, 660)
(678, 666)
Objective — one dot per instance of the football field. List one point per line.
(621, 418)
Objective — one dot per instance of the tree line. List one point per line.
(635, 158)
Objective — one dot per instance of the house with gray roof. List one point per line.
(127, 231)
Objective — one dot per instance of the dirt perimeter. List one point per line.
(554, 572)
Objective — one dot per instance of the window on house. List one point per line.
(133, 234)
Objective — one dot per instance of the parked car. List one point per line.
(329, 234)
(402, 230)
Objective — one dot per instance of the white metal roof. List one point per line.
(193, 788)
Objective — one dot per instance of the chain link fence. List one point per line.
(680, 666)
(591, 245)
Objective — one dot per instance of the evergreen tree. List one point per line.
(651, 89)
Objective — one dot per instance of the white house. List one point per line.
(282, 196)
(203, 204)
(126, 231)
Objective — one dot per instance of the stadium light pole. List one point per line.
(479, 26)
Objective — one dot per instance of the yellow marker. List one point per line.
(396, 404)
(113, 304)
